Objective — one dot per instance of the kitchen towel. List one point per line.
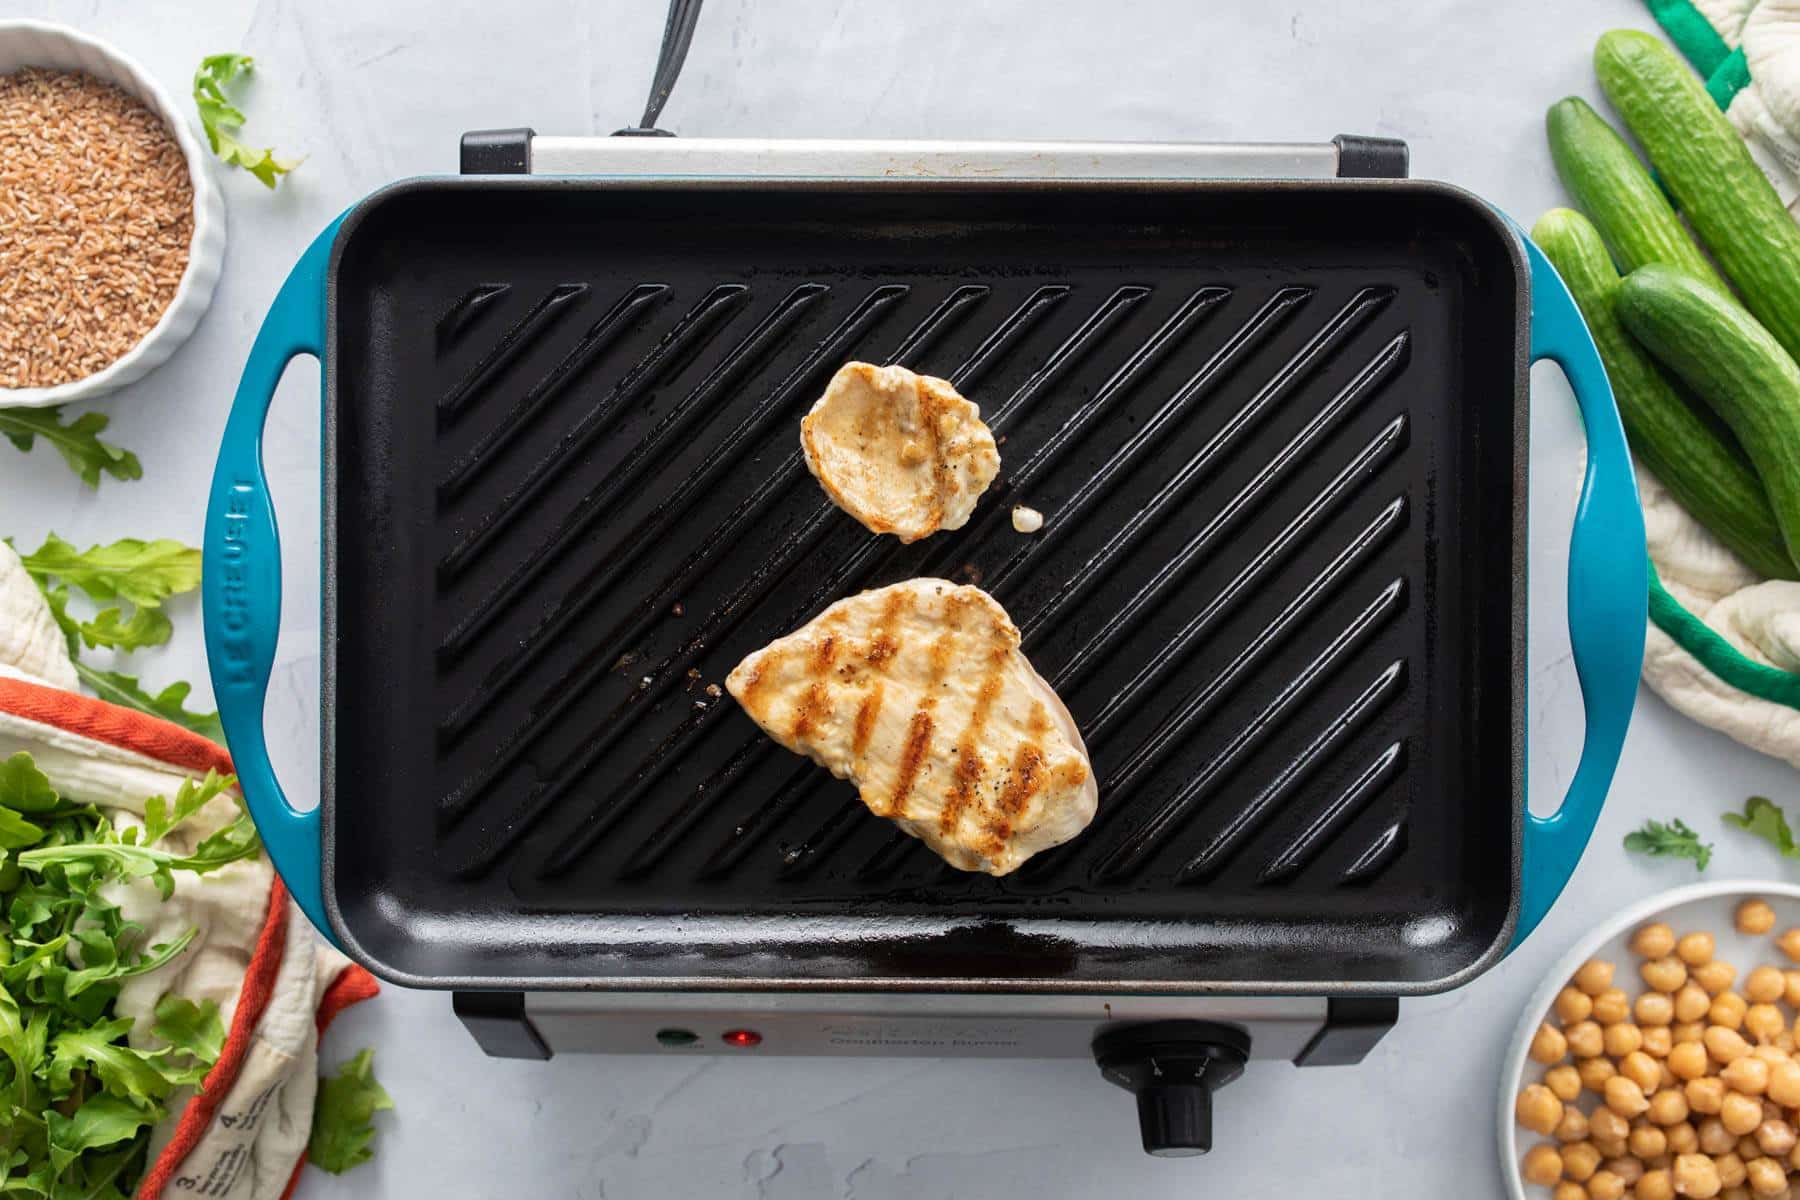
(243, 1135)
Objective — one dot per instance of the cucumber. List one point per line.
(1707, 474)
(1732, 363)
(1611, 186)
(1727, 199)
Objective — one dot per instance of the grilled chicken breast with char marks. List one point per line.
(918, 694)
(902, 453)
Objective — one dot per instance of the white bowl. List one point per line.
(41, 44)
(1701, 906)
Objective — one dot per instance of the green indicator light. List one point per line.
(676, 1037)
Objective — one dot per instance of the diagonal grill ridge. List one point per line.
(557, 303)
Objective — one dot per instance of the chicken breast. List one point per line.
(918, 694)
(902, 453)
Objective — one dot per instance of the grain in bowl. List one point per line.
(96, 222)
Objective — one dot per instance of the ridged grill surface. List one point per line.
(1273, 435)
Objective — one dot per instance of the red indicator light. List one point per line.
(741, 1038)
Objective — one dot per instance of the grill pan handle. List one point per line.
(1608, 594)
(240, 589)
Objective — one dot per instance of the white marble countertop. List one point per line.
(371, 92)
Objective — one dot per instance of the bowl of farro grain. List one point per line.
(111, 230)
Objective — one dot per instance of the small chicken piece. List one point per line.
(902, 453)
(918, 694)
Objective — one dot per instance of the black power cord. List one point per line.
(678, 34)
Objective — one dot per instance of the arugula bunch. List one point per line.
(78, 1101)
(1673, 840)
(219, 116)
(129, 572)
(78, 441)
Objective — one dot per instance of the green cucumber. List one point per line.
(1732, 363)
(1708, 475)
(1726, 198)
(1611, 186)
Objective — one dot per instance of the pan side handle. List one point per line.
(1608, 595)
(241, 582)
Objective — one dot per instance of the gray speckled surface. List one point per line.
(375, 91)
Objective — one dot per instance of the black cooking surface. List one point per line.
(1275, 439)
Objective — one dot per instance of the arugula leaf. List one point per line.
(24, 788)
(342, 1131)
(123, 1072)
(1764, 818)
(1674, 840)
(78, 442)
(114, 631)
(195, 1028)
(16, 832)
(218, 115)
(101, 1121)
(143, 573)
(160, 816)
(141, 862)
(119, 688)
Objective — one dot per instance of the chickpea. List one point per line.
(1695, 948)
(1548, 1045)
(1573, 1004)
(1584, 1039)
(1764, 985)
(1696, 1176)
(1604, 1185)
(1776, 1138)
(1608, 1149)
(1764, 1022)
(1789, 944)
(1785, 1041)
(1739, 1113)
(1647, 1141)
(1665, 1078)
(1621, 1039)
(1784, 1083)
(1543, 1165)
(1642, 1070)
(1626, 1167)
(1657, 1039)
(1595, 1072)
(1705, 1095)
(1564, 1082)
(1580, 1160)
(1724, 1045)
(1688, 1031)
(1790, 987)
(1605, 1125)
(1754, 916)
(1625, 1097)
(1568, 1189)
(1653, 1008)
(1714, 976)
(1728, 1010)
(1656, 1184)
(1612, 1006)
(1749, 1075)
(1539, 1110)
(1687, 1060)
(1682, 1139)
(1715, 1138)
(1765, 1176)
(1665, 974)
(1731, 1168)
(1573, 1127)
(1595, 976)
(1667, 1107)
(1771, 1053)
(1690, 1003)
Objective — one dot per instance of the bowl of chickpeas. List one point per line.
(1661, 1057)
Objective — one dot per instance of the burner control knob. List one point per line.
(1173, 1068)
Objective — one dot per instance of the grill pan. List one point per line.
(1278, 430)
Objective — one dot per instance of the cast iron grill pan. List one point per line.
(1274, 436)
